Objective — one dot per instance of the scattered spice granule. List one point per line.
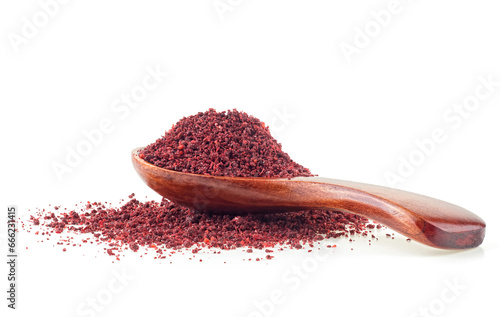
(166, 225)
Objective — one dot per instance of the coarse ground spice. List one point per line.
(166, 226)
(228, 143)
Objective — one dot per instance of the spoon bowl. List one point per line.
(424, 219)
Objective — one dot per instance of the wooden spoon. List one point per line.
(424, 219)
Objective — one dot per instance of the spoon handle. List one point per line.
(428, 220)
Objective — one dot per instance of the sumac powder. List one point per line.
(166, 225)
(228, 143)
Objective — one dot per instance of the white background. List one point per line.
(346, 120)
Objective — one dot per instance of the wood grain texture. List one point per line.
(424, 219)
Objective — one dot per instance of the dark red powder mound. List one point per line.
(227, 143)
(172, 226)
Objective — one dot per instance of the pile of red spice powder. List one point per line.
(167, 226)
(228, 143)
